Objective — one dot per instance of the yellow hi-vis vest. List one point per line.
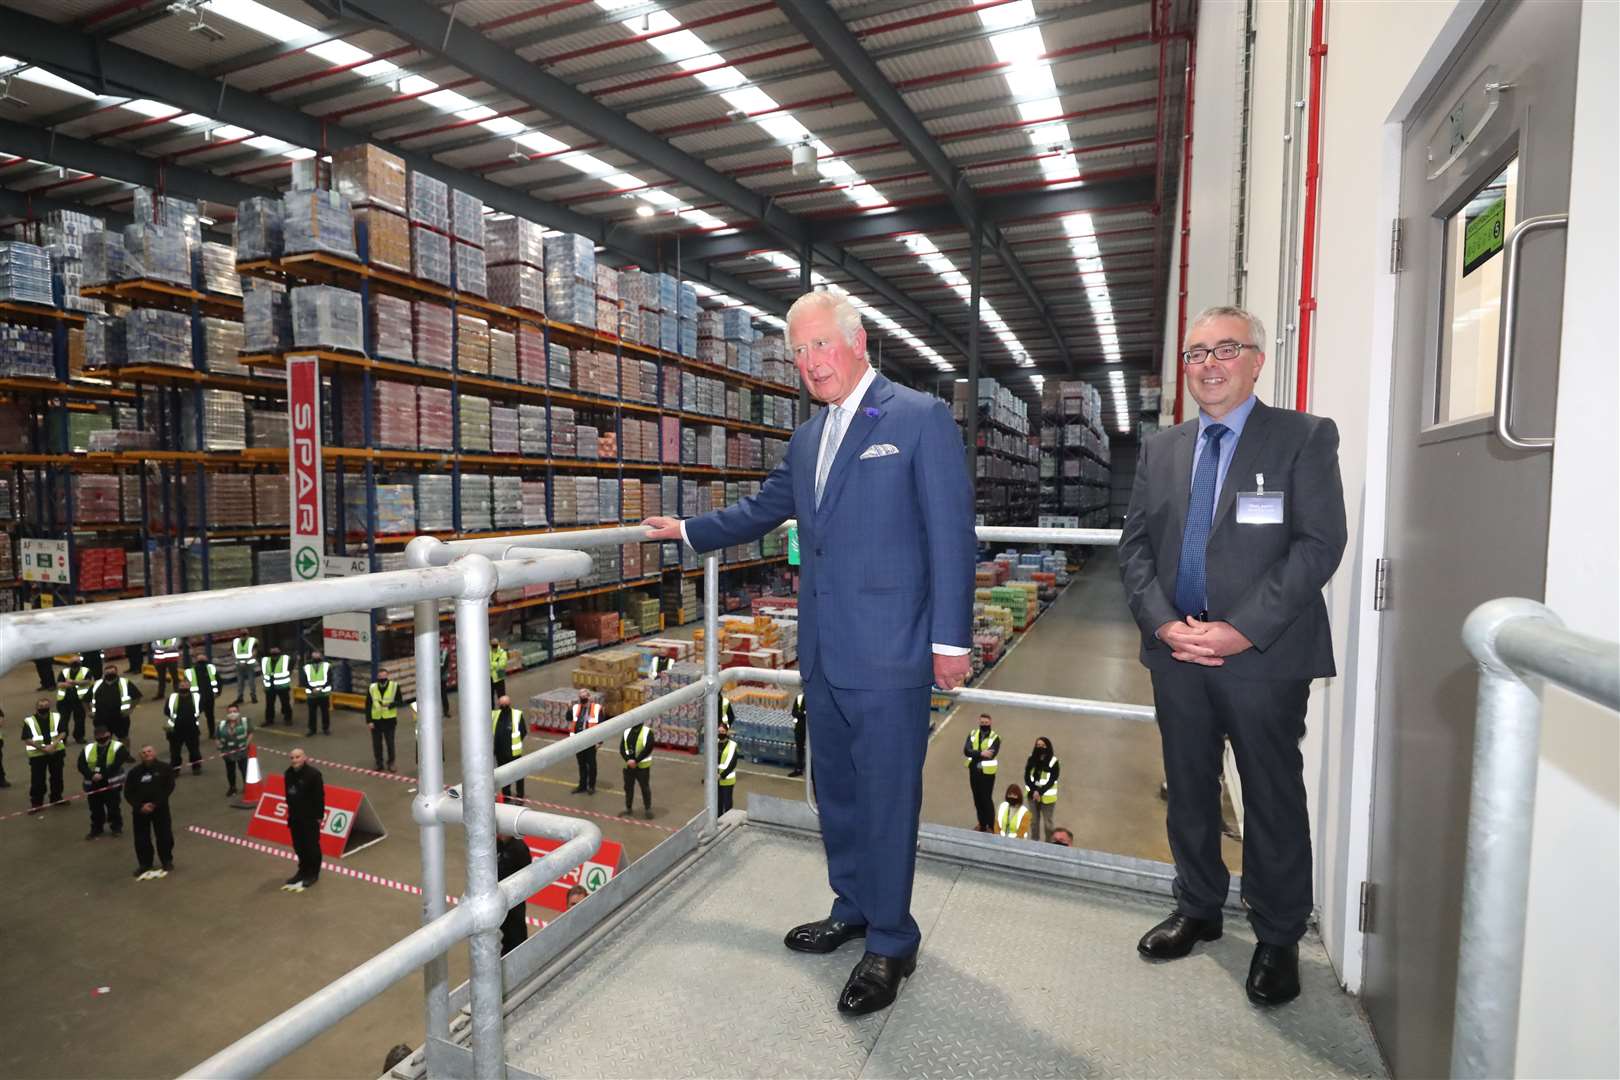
(497, 665)
(125, 703)
(633, 752)
(987, 766)
(78, 682)
(517, 728)
(243, 648)
(174, 708)
(728, 763)
(1049, 794)
(105, 763)
(382, 705)
(54, 736)
(318, 679)
(167, 648)
(275, 671)
(1009, 823)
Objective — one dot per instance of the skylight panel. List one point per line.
(501, 125)
(265, 20)
(750, 99)
(376, 68)
(416, 84)
(448, 100)
(1018, 46)
(299, 153)
(477, 112)
(147, 107)
(719, 79)
(589, 164)
(45, 78)
(784, 127)
(540, 142)
(339, 53)
(270, 143)
(681, 45)
(231, 131)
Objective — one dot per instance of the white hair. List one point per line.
(1257, 329)
(844, 313)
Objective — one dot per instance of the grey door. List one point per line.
(1467, 515)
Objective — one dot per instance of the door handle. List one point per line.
(1510, 312)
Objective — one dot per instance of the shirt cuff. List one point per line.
(950, 650)
(684, 539)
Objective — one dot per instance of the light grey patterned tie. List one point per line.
(835, 435)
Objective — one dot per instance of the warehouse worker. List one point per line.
(1041, 778)
(71, 699)
(512, 855)
(497, 669)
(318, 691)
(382, 717)
(233, 734)
(275, 672)
(798, 736)
(583, 715)
(306, 814)
(102, 765)
(147, 790)
(205, 680)
(43, 667)
(91, 658)
(727, 767)
(635, 747)
(661, 664)
(980, 749)
(45, 743)
(245, 648)
(112, 698)
(1012, 816)
(180, 715)
(507, 724)
(166, 660)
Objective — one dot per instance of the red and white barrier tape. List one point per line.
(178, 771)
(400, 778)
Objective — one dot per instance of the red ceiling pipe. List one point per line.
(1313, 176)
(1186, 212)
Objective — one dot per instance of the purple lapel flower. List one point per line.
(873, 411)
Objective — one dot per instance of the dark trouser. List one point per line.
(234, 765)
(798, 748)
(382, 733)
(867, 749)
(248, 677)
(306, 841)
(191, 740)
(321, 705)
(168, 671)
(515, 930)
(92, 660)
(41, 768)
(503, 754)
(1198, 707)
(46, 670)
(116, 722)
(497, 687)
(726, 792)
(984, 797)
(632, 777)
(72, 710)
(146, 825)
(273, 694)
(208, 714)
(106, 809)
(586, 759)
(3, 759)
(444, 694)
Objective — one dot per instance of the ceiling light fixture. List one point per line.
(644, 211)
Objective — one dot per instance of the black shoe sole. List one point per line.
(1272, 1002)
(824, 950)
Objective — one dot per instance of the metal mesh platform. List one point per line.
(1017, 977)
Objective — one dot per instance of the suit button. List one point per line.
(818, 552)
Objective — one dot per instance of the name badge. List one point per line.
(1260, 507)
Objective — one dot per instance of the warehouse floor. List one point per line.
(139, 979)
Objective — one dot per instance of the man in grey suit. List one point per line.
(1236, 523)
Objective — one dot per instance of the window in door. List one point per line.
(1472, 299)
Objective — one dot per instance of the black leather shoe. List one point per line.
(1176, 936)
(874, 983)
(1273, 974)
(822, 937)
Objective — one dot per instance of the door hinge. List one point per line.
(1381, 585)
(1364, 921)
(1395, 246)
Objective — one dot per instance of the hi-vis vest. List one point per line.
(275, 671)
(1042, 779)
(979, 742)
(593, 716)
(318, 678)
(210, 672)
(243, 648)
(167, 648)
(78, 683)
(125, 703)
(382, 704)
(634, 752)
(54, 735)
(728, 763)
(517, 728)
(174, 708)
(104, 762)
(497, 665)
(1009, 823)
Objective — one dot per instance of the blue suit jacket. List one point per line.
(887, 561)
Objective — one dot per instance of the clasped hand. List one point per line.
(1204, 643)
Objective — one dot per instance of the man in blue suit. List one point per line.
(878, 484)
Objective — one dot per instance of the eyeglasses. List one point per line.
(1226, 350)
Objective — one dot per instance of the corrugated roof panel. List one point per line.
(963, 56)
(59, 11)
(293, 65)
(1083, 28)
(949, 15)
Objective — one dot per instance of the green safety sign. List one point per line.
(1483, 235)
(307, 563)
(793, 545)
(596, 878)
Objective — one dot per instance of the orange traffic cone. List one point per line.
(253, 782)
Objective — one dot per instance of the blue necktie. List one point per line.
(1190, 576)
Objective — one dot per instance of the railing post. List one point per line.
(1496, 878)
(429, 783)
(478, 818)
(711, 696)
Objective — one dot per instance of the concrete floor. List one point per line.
(144, 979)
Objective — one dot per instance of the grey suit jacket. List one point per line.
(1266, 580)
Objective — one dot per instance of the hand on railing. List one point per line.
(952, 671)
(663, 528)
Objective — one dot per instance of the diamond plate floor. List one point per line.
(1016, 978)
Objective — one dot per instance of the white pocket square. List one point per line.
(881, 449)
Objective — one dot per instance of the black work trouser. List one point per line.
(798, 748)
(726, 793)
(1198, 708)
(191, 740)
(984, 797)
(233, 766)
(208, 714)
(46, 670)
(382, 734)
(156, 824)
(43, 768)
(117, 723)
(587, 768)
(319, 705)
(306, 841)
(72, 710)
(515, 928)
(632, 777)
(503, 754)
(168, 671)
(273, 694)
(106, 809)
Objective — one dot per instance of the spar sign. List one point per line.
(594, 873)
(304, 454)
(348, 825)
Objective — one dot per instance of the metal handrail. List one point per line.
(1520, 645)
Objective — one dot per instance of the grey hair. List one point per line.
(1257, 329)
(844, 313)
